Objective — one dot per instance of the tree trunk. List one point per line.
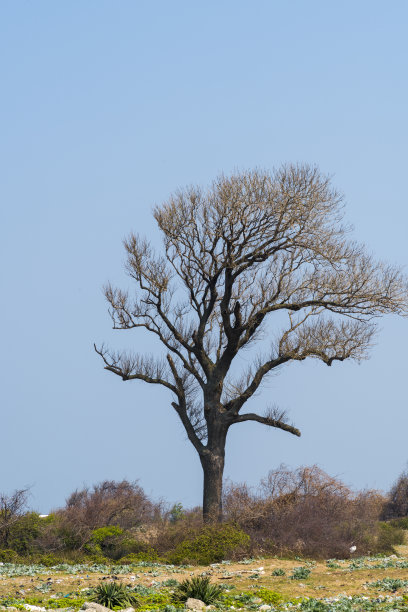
(213, 467)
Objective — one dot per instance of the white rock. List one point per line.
(34, 608)
(264, 607)
(195, 604)
(94, 607)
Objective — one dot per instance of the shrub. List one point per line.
(305, 512)
(401, 523)
(105, 541)
(268, 596)
(388, 537)
(8, 556)
(198, 587)
(123, 504)
(210, 544)
(12, 507)
(50, 560)
(278, 572)
(111, 594)
(24, 533)
(397, 503)
(146, 554)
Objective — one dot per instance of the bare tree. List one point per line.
(253, 245)
(12, 507)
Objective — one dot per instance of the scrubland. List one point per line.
(302, 540)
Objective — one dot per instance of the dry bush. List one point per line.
(305, 511)
(171, 534)
(123, 504)
(12, 507)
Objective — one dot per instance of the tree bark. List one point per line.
(213, 468)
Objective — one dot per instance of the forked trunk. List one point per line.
(213, 467)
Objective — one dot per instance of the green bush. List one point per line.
(401, 523)
(115, 543)
(95, 560)
(198, 587)
(149, 554)
(278, 572)
(50, 560)
(388, 537)
(8, 556)
(210, 544)
(104, 540)
(24, 532)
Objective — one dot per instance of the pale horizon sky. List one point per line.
(106, 109)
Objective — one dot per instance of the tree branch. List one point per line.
(266, 420)
(134, 368)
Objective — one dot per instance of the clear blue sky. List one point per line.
(108, 107)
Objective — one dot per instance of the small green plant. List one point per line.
(268, 596)
(176, 513)
(111, 594)
(154, 601)
(388, 584)
(278, 572)
(332, 564)
(198, 587)
(300, 573)
(171, 582)
(52, 603)
(315, 605)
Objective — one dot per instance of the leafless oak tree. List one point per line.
(253, 245)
